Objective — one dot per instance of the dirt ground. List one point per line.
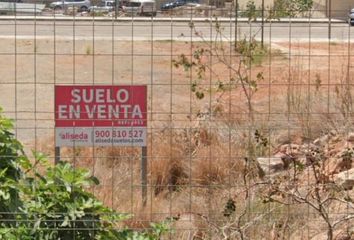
(30, 70)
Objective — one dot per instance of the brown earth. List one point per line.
(195, 163)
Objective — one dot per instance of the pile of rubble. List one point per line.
(333, 151)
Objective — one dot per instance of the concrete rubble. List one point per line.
(335, 151)
(271, 164)
(345, 179)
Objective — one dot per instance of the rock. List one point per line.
(286, 158)
(279, 155)
(345, 179)
(309, 146)
(294, 147)
(283, 148)
(289, 149)
(333, 133)
(331, 166)
(332, 152)
(322, 141)
(317, 142)
(188, 225)
(335, 139)
(270, 164)
(343, 236)
(350, 137)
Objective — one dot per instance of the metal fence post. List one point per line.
(236, 20)
(262, 23)
(57, 155)
(144, 175)
(329, 19)
(116, 9)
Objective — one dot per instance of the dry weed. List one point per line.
(168, 169)
(213, 166)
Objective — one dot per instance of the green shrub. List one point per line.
(251, 11)
(291, 8)
(53, 203)
(11, 158)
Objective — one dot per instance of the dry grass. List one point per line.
(168, 169)
(313, 107)
(194, 169)
(213, 166)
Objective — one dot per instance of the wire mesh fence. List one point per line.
(249, 130)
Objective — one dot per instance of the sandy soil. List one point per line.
(30, 70)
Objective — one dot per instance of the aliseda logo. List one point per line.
(79, 136)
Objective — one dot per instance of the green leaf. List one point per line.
(66, 221)
(40, 157)
(36, 226)
(194, 87)
(199, 95)
(4, 195)
(6, 124)
(68, 187)
(46, 201)
(95, 180)
(24, 162)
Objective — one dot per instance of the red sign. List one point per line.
(100, 106)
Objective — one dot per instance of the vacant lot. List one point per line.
(195, 146)
(30, 69)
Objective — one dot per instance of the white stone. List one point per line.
(322, 141)
(270, 164)
(345, 179)
(350, 137)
